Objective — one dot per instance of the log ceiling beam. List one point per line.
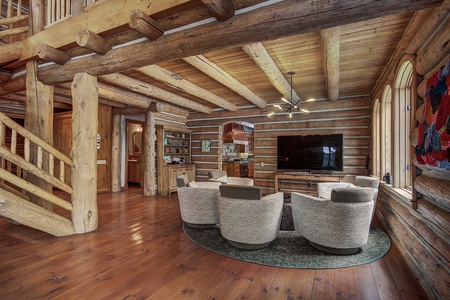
(284, 18)
(262, 58)
(10, 52)
(92, 41)
(178, 83)
(15, 84)
(5, 75)
(214, 71)
(114, 14)
(330, 39)
(48, 53)
(146, 26)
(147, 89)
(222, 10)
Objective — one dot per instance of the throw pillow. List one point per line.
(193, 184)
(352, 195)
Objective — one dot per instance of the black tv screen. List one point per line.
(310, 152)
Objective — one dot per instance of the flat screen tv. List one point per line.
(320, 153)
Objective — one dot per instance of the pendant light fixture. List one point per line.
(289, 106)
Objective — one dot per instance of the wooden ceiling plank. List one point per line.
(147, 26)
(330, 39)
(214, 71)
(92, 41)
(262, 58)
(153, 91)
(177, 82)
(222, 10)
(284, 18)
(48, 53)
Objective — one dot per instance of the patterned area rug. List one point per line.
(291, 250)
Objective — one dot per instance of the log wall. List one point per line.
(419, 225)
(350, 117)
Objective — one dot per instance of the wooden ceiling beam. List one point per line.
(147, 26)
(177, 82)
(283, 18)
(330, 39)
(15, 84)
(262, 58)
(109, 95)
(48, 53)
(169, 109)
(10, 52)
(222, 10)
(214, 71)
(102, 17)
(92, 41)
(5, 75)
(147, 89)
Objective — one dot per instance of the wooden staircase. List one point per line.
(35, 159)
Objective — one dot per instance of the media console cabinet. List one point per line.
(305, 177)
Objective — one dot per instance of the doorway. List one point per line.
(237, 149)
(134, 150)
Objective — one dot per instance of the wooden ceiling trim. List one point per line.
(153, 91)
(267, 23)
(48, 53)
(147, 26)
(330, 39)
(222, 10)
(92, 41)
(214, 71)
(177, 82)
(262, 58)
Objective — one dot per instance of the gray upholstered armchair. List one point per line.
(339, 225)
(324, 188)
(248, 220)
(221, 176)
(198, 202)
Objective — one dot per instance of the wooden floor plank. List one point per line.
(141, 251)
(323, 287)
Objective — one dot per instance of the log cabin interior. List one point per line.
(108, 101)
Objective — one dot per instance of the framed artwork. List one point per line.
(206, 145)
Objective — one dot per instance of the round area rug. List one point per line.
(291, 250)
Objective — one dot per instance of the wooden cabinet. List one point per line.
(135, 170)
(304, 178)
(169, 174)
(173, 157)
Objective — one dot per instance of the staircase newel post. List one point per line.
(84, 152)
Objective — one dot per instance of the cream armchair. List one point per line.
(198, 202)
(324, 188)
(221, 176)
(248, 220)
(339, 225)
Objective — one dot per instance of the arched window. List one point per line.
(403, 99)
(385, 130)
(376, 137)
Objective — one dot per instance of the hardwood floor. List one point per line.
(141, 252)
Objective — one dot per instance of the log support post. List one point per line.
(115, 155)
(84, 152)
(39, 121)
(149, 154)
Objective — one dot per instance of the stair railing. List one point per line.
(15, 22)
(23, 163)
